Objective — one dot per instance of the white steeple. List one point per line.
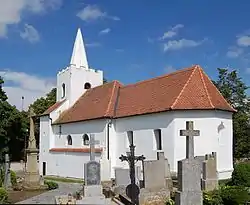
(79, 57)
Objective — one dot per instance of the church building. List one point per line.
(151, 113)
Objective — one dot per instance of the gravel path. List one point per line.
(49, 197)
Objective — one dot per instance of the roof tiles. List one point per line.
(187, 89)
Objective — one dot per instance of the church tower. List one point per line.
(74, 80)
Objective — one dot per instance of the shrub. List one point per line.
(241, 175)
(13, 178)
(51, 184)
(3, 196)
(212, 198)
(232, 195)
(169, 201)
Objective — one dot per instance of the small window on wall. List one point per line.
(158, 139)
(63, 90)
(69, 140)
(130, 138)
(87, 86)
(85, 139)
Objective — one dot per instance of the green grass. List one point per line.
(62, 179)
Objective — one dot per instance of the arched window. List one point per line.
(69, 139)
(85, 139)
(63, 90)
(158, 139)
(87, 86)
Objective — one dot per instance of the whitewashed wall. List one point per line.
(144, 139)
(174, 145)
(69, 164)
(210, 140)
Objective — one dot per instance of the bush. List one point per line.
(232, 195)
(51, 184)
(3, 196)
(13, 178)
(169, 201)
(241, 175)
(212, 198)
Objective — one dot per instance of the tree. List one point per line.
(13, 126)
(234, 91)
(43, 103)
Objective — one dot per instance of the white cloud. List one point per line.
(182, 43)
(243, 41)
(93, 12)
(105, 31)
(18, 84)
(172, 32)
(94, 44)
(234, 52)
(30, 34)
(11, 11)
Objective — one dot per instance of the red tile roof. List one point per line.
(85, 150)
(187, 89)
(53, 107)
(98, 102)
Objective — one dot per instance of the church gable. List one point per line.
(187, 89)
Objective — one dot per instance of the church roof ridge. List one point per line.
(186, 89)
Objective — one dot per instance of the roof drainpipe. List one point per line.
(108, 126)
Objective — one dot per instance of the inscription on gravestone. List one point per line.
(92, 170)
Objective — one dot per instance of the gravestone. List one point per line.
(209, 176)
(189, 172)
(7, 177)
(158, 182)
(122, 176)
(92, 176)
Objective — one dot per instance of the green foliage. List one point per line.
(233, 195)
(3, 196)
(241, 175)
(51, 184)
(234, 91)
(169, 201)
(43, 103)
(226, 195)
(212, 198)
(13, 178)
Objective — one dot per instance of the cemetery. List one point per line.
(196, 182)
(179, 138)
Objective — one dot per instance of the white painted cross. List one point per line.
(92, 143)
(189, 133)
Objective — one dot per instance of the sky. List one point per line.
(129, 40)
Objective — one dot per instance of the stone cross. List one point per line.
(7, 179)
(32, 139)
(92, 143)
(189, 133)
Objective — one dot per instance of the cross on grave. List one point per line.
(132, 190)
(189, 133)
(92, 143)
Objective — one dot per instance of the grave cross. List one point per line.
(132, 189)
(189, 133)
(92, 143)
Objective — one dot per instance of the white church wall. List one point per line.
(63, 77)
(80, 76)
(144, 137)
(73, 162)
(208, 141)
(44, 141)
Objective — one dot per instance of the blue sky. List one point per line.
(128, 40)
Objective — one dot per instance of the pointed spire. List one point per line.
(79, 57)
